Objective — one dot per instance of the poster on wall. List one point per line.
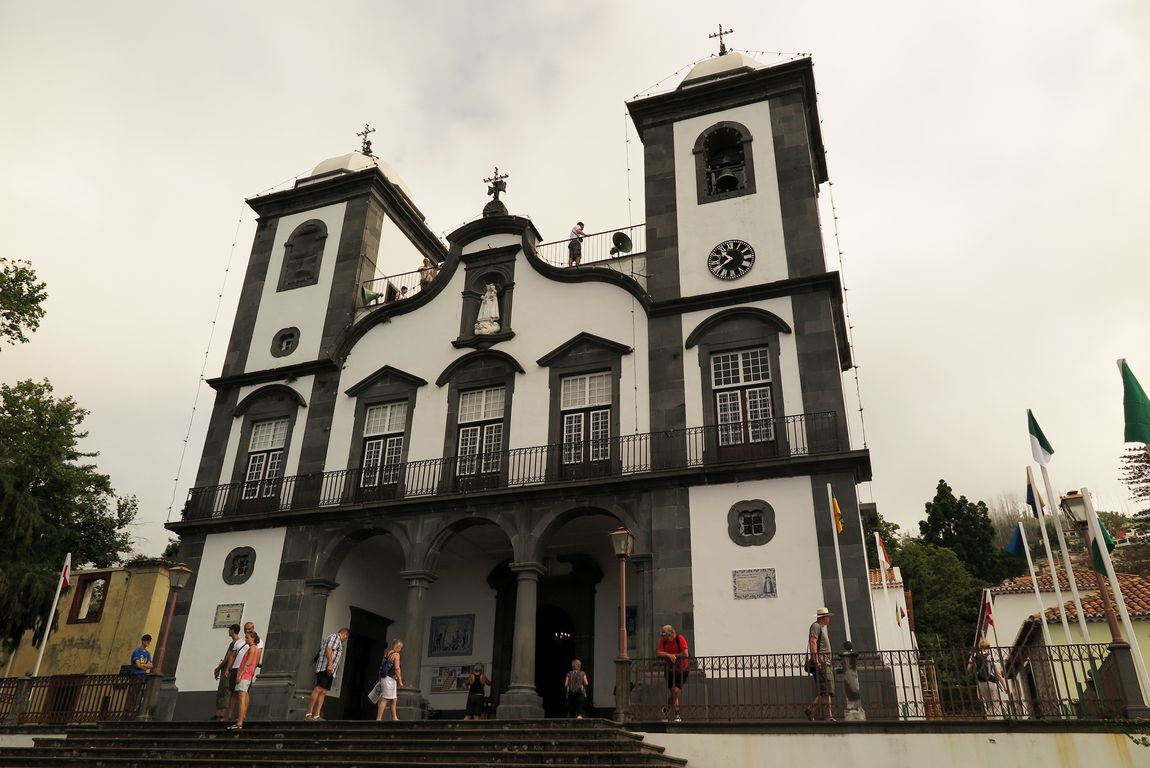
(451, 678)
(754, 583)
(228, 614)
(451, 635)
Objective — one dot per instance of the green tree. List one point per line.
(21, 300)
(946, 595)
(964, 527)
(1135, 475)
(52, 502)
(872, 520)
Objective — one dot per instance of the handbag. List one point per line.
(376, 692)
(811, 667)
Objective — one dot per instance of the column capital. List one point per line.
(418, 578)
(529, 569)
(320, 586)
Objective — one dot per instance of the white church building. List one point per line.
(440, 456)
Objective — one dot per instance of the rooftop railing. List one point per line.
(1062, 682)
(627, 455)
(596, 249)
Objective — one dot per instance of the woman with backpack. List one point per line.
(390, 680)
(576, 684)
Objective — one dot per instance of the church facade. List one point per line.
(440, 455)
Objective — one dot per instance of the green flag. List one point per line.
(1097, 553)
(1136, 405)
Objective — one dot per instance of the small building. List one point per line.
(99, 620)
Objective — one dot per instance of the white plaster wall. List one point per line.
(304, 308)
(1011, 610)
(895, 748)
(303, 386)
(203, 646)
(726, 626)
(754, 218)
(891, 635)
(498, 240)
(788, 368)
(545, 315)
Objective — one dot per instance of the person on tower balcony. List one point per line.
(427, 273)
(575, 245)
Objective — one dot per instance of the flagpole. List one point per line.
(869, 591)
(1116, 589)
(1049, 555)
(51, 613)
(839, 562)
(1066, 558)
(1034, 584)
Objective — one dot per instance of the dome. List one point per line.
(350, 163)
(732, 63)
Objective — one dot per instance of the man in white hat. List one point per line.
(820, 654)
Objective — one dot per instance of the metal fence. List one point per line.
(597, 248)
(1066, 682)
(64, 699)
(626, 455)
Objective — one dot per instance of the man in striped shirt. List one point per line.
(326, 663)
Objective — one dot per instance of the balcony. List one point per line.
(732, 444)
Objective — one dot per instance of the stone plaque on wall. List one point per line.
(228, 614)
(754, 583)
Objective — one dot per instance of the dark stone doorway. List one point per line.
(365, 649)
(555, 635)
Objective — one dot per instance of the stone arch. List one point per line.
(426, 557)
(555, 519)
(754, 314)
(334, 548)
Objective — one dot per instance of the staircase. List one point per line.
(303, 744)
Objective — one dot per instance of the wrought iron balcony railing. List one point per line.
(628, 455)
(597, 248)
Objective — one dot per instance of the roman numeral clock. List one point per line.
(731, 259)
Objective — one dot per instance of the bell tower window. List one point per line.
(724, 162)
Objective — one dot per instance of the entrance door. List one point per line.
(365, 649)
(554, 650)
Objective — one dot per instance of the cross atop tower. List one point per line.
(719, 34)
(497, 183)
(365, 149)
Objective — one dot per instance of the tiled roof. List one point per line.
(1135, 593)
(891, 580)
(1083, 577)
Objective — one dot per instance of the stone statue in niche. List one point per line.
(487, 322)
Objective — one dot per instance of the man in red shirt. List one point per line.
(673, 650)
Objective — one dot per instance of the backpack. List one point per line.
(387, 666)
(575, 680)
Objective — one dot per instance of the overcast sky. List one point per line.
(988, 161)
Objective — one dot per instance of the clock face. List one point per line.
(731, 259)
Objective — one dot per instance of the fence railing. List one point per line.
(1065, 682)
(627, 455)
(406, 285)
(64, 699)
(595, 248)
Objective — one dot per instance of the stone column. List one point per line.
(853, 709)
(521, 702)
(312, 612)
(644, 628)
(410, 703)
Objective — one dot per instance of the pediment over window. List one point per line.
(581, 345)
(490, 358)
(744, 314)
(383, 376)
(274, 392)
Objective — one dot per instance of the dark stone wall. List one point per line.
(662, 213)
(798, 195)
(817, 349)
(249, 304)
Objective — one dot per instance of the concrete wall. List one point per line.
(847, 747)
(134, 605)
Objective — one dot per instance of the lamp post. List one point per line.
(1074, 505)
(623, 544)
(178, 577)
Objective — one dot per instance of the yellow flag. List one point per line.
(838, 515)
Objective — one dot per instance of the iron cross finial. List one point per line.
(719, 34)
(365, 149)
(497, 183)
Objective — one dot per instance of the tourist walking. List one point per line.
(326, 664)
(223, 675)
(476, 693)
(991, 685)
(576, 684)
(390, 680)
(819, 648)
(676, 656)
(245, 676)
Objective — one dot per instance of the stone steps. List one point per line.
(521, 744)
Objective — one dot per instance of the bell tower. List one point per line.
(733, 161)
